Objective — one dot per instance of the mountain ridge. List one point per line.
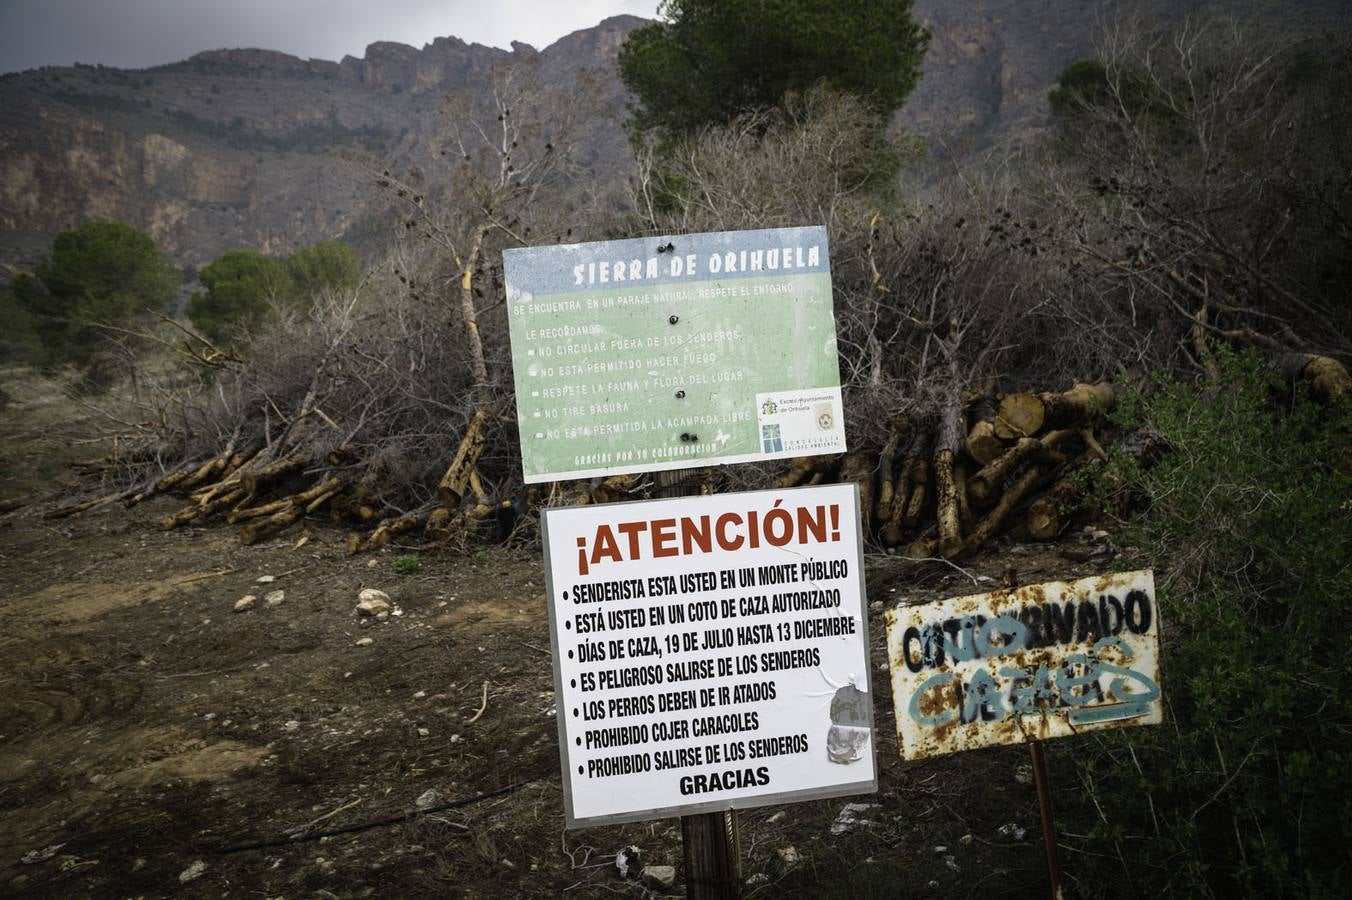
(234, 147)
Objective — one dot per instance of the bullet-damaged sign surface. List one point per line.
(1037, 662)
(710, 653)
(665, 353)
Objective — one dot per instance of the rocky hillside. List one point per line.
(246, 147)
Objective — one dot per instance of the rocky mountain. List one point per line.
(246, 147)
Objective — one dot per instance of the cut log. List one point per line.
(965, 518)
(1045, 513)
(858, 468)
(451, 490)
(249, 480)
(800, 467)
(613, 488)
(325, 489)
(357, 542)
(912, 468)
(994, 520)
(983, 443)
(983, 486)
(203, 510)
(1020, 416)
(168, 482)
(1205, 358)
(1024, 415)
(261, 529)
(916, 506)
(946, 446)
(887, 488)
(1081, 403)
(1328, 378)
(568, 493)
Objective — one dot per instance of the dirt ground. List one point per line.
(147, 730)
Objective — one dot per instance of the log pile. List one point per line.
(943, 485)
(949, 485)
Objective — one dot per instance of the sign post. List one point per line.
(641, 356)
(1042, 782)
(710, 847)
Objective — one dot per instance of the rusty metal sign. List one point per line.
(1037, 662)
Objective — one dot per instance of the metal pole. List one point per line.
(713, 865)
(1044, 803)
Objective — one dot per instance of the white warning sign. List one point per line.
(710, 653)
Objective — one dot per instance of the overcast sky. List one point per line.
(140, 33)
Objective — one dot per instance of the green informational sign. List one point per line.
(674, 352)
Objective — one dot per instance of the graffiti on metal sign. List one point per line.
(1036, 662)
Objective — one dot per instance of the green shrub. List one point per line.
(407, 564)
(1247, 787)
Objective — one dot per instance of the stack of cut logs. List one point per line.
(942, 489)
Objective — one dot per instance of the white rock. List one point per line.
(192, 873)
(275, 598)
(428, 798)
(265, 579)
(247, 602)
(419, 695)
(423, 732)
(292, 725)
(382, 616)
(365, 642)
(371, 602)
(662, 876)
